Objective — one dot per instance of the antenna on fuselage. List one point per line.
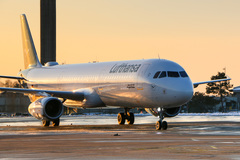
(159, 56)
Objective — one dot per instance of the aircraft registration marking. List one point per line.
(131, 86)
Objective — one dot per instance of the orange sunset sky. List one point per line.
(201, 35)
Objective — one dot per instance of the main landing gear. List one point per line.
(161, 124)
(129, 116)
(55, 123)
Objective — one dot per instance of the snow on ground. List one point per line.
(101, 119)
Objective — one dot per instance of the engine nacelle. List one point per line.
(167, 112)
(48, 108)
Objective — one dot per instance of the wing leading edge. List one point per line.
(212, 81)
(79, 96)
(13, 77)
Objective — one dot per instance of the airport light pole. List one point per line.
(48, 30)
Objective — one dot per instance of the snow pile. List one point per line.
(211, 114)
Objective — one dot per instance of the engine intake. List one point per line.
(167, 112)
(172, 112)
(48, 108)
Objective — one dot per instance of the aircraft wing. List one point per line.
(59, 94)
(236, 90)
(212, 81)
(12, 77)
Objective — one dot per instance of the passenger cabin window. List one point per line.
(163, 74)
(156, 74)
(173, 74)
(183, 74)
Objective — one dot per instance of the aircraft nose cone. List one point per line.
(175, 92)
(182, 94)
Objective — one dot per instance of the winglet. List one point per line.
(29, 51)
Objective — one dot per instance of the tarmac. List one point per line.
(99, 137)
(182, 140)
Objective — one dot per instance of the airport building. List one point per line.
(14, 103)
(230, 104)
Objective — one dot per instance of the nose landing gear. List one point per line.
(129, 116)
(161, 124)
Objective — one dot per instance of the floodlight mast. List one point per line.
(48, 30)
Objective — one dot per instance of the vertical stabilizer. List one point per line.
(29, 51)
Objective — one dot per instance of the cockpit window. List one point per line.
(183, 74)
(163, 74)
(173, 74)
(156, 74)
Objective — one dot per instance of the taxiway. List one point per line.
(182, 140)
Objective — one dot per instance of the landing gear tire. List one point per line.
(45, 123)
(161, 125)
(121, 118)
(164, 125)
(158, 125)
(56, 122)
(130, 119)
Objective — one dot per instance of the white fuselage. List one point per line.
(123, 83)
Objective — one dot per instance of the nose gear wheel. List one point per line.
(161, 124)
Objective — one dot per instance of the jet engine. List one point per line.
(48, 108)
(167, 112)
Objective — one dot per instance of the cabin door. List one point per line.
(141, 74)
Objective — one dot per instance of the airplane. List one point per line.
(157, 85)
(236, 89)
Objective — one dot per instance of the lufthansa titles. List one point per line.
(125, 68)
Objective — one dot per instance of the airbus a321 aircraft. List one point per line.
(160, 86)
